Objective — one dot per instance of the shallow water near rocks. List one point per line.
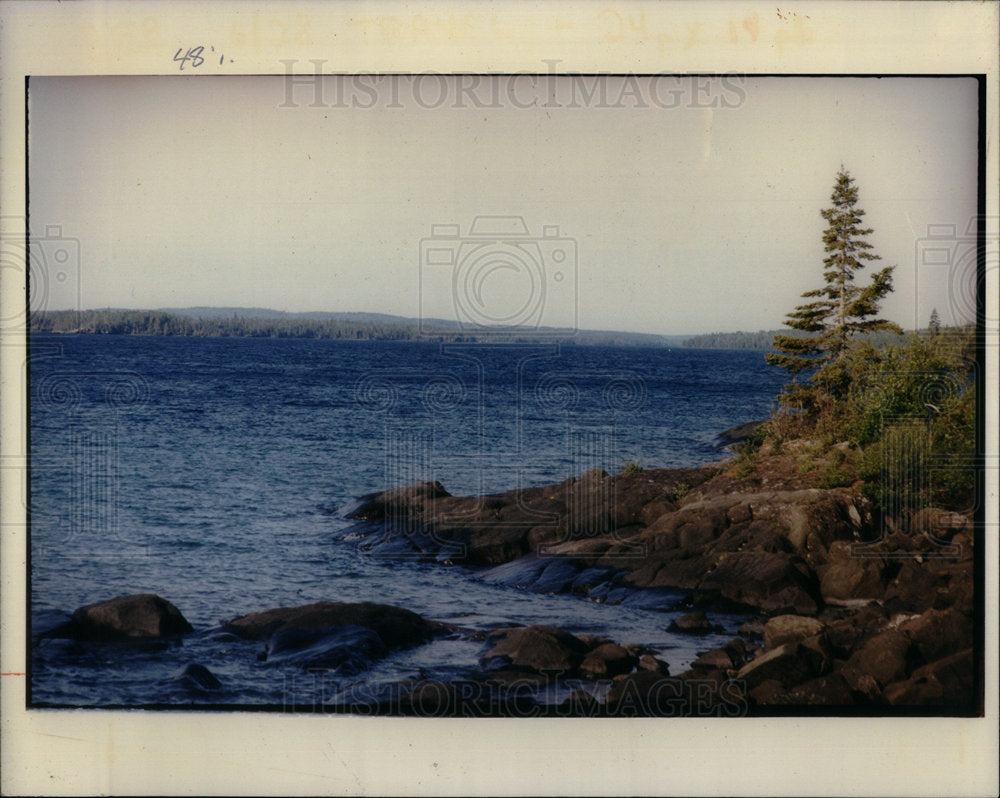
(217, 473)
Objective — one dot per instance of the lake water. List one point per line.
(216, 472)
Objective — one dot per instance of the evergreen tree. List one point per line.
(934, 325)
(838, 311)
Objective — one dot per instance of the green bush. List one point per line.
(909, 412)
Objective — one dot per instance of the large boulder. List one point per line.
(848, 579)
(885, 658)
(939, 633)
(140, 616)
(949, 681)
(302, 627)
(788, 665)
(774, 582)
(536, 648)
(693, 623)
(789, 629)
(607, 660)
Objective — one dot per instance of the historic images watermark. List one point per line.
(953, 263)
(547, 89)
(45, 261)
(498, 278)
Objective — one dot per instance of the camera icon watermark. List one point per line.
(49, 264)
(498, 280)
(948, 264)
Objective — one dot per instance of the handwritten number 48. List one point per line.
(195, 55)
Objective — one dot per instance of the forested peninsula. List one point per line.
(262, 323)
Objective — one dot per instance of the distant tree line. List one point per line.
(157, 322)
(152, 322)
(763, 340)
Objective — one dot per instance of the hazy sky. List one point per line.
(693, 204)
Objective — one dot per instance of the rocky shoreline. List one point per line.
(848, 612)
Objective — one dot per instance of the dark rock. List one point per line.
(536, 648)
(197, 677)
(850, 580)
(557, 577)
(140, 616)
(789, 629)
(939, 525)
(845, 635)
(578, 704)
(738, 434)
(776, 583)
(647, 694)
(886, 658)
(915, 587)
(648, 662)
(754, 628)
(830, 691)
(694, 623)
(949, 681)
(396, 627)
(716, 659)
(789, 664)
(939, 633)
(399, 503)
(520, 573)
(607, 660)
(769, 691)
(346, 648)
(739, 652)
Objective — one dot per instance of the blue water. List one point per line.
(216, 472)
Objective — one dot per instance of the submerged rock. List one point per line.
(348, 637)
(197, 677)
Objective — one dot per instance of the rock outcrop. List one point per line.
(142, 616)
(347, 637)
(854, 609)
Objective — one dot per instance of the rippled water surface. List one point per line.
(216, 472)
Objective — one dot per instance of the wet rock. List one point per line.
(536, 648)
(521, 573)
(693, 623)
(197, 677)
(607, 660)
(347, 649)
(716, 659)
(557, 577)
(140, 616)
(399, 503)
(789, 629)
(396, 627)
(648, 662)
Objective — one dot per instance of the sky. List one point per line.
(661, 205)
